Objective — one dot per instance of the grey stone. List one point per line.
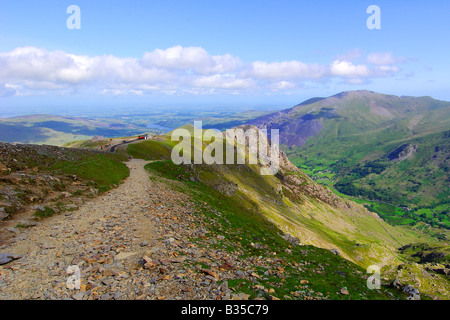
(5, 258)
(22, 237)
(78, 296)
(8, 257)
(413, 292)
(13, 230)
(170, 241)
(117, 295)
(396, 283)
(144, 244)
(336, 252)
(124, 255)
(344, 291)
(106, 296)
(108, 281)
(3, 214)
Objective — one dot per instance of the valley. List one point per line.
(389, 152)
(60, 130)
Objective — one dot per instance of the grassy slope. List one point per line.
(358, 235)
(243, 226)
(350, 153)
(150, 150)
(104, 170)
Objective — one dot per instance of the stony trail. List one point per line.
(129, 243)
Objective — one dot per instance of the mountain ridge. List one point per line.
(349, 141)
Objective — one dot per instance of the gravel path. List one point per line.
(129, 243)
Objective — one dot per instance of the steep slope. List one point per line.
(378, 147)
(295, 204)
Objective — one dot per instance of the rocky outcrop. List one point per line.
(403, 152)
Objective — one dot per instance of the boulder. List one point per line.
(344, 291)
(414, 293)
(3, 214)
(7, 257)
(336, 252)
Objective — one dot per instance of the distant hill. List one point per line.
(57, 130)
(391, 149)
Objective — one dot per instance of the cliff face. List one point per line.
(297, 182)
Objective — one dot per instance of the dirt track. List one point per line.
(107, 240)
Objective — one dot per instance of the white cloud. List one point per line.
(176, 70)
(223, 82)
(282, 85)
(178, 58)
(382, 58)
(287, 70)
(348, 69)
(195, 58)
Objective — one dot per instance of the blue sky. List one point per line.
(218, 52)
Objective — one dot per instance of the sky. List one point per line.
(217, 53)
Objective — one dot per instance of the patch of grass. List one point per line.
(22, 226)
(150, 150)
(11, 210)
(104, 170)
(46, 213)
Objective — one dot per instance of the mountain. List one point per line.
(57, 130)
(390, 152)
(255, 209)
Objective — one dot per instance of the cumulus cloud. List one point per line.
(195, 58)
(178, 58)
(348, 69)
(175, 70)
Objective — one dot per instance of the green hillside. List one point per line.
(391, 151)
(261, 209)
